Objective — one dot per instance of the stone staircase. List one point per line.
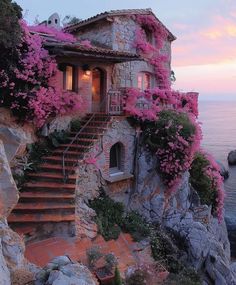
(47, 198)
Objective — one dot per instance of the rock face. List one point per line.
(15, 141)
(8, 190)
(206, 241)
(87, 189)
(62, 271)
(11, 254)
(232, 157)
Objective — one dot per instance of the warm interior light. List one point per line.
(88, 72)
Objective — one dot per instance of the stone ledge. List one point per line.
(116, 178)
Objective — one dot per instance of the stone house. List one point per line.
(107, 144)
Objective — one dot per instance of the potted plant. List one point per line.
(102, 265)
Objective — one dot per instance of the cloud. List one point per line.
(214, 43)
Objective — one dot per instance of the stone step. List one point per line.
(82, 139)
(55, 167)
(46, 195)
(86, 134)
(74, 145)
(72, 153)
(58, 159)
(49, 185)
(96, 122)
(51, 175)
(43, 206)
(91, 129)
(38, 218)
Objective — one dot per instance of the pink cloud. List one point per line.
(213, 44)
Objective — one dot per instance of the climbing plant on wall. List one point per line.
(29, 87)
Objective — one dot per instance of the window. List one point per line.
(144, 81)
(69, 78)
(115, 159)
(148, 34)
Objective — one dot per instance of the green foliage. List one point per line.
(134, 224)
(20, 179)
(109, 216)
(156, 133)
(75, 125)
(187, 276)
(138, 277)
(58, 137)
(160, 246)
(111, 261)
(36, 152)
(201, 182)
(10, 32)
(117, 280)
(93, 254)
(111, 219)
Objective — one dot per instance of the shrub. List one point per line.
(138, 277)
(135, 225)
(174, 138)
(58, 137)
(117, 279)
(75, 125)
(111, 219)
(36, 153)
(109, 216)
(187, 276)
(93, 255)
(206, 180)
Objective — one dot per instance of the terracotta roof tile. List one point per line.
(78, 48)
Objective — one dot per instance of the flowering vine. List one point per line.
(206, 179)
(153, 53)
(30, 89)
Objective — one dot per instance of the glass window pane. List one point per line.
(147, 81)
(69, 77)
(140, 81)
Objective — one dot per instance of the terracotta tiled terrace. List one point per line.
(125, 249)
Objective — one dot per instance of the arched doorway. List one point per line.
(98, 90)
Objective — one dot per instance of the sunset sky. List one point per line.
(204, 54)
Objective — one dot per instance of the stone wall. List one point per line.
(99, 33)
(119, 33)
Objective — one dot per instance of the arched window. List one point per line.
(116, 159)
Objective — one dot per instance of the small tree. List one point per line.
(118, 280)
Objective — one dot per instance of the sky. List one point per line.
(204, 54)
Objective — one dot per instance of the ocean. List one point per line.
(218, 120)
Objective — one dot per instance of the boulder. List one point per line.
(64, 272)
(232, 157)
(15, 141)
(223, 171)
(8, 190)
(4, 271)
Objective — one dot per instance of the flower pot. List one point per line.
(104, 275)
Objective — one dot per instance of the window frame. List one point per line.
(117, 169)
(74, 78)
(144, 74)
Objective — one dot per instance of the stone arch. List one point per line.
(116, 158)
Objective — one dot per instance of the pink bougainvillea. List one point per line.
(91, 159)
(152, 101)
(59, 35)
(212, 170)
(153, 53)
(34, 92)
